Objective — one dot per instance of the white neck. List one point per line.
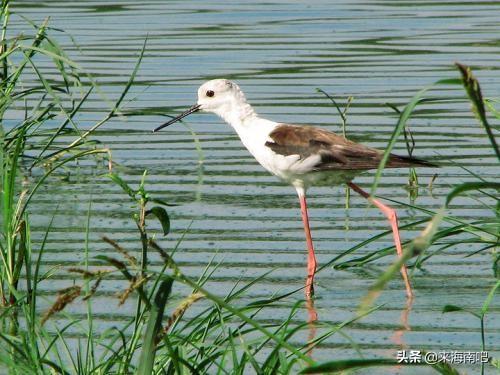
(236, 111)
(238, 114)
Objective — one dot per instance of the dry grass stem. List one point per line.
(181, 309)
(65, 297)
(166, 258)
(93, 289)
(133, 262)
(89, 274)
(134, 284)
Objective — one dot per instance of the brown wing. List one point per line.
(336, 152)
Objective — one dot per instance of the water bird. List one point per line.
(303, 156)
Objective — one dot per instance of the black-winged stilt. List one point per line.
(303, 156)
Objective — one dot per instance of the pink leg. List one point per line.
(311, 258)
(390, 213)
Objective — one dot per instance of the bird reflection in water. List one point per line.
(312, 320)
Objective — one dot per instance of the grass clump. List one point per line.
(223, 335)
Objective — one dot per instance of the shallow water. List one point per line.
(279, 52)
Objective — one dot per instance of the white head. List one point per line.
(222, 97)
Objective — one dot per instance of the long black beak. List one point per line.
(193, 109)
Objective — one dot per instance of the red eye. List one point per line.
(210, 93)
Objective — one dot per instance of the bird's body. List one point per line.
(263, 139)
(302, 156)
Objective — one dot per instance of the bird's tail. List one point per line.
(396, 161)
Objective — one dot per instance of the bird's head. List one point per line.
(219, 96)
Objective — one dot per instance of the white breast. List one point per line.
(254, 136)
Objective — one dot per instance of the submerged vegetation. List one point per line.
(179, 324)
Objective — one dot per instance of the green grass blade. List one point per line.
(223, 304)
(470, 186)
(131, 78)
(336, 366)
(489, 299)
(120, 182)
(476, 97)
(162, 216)
(342, 365)
(403, 118)
(147, 358)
